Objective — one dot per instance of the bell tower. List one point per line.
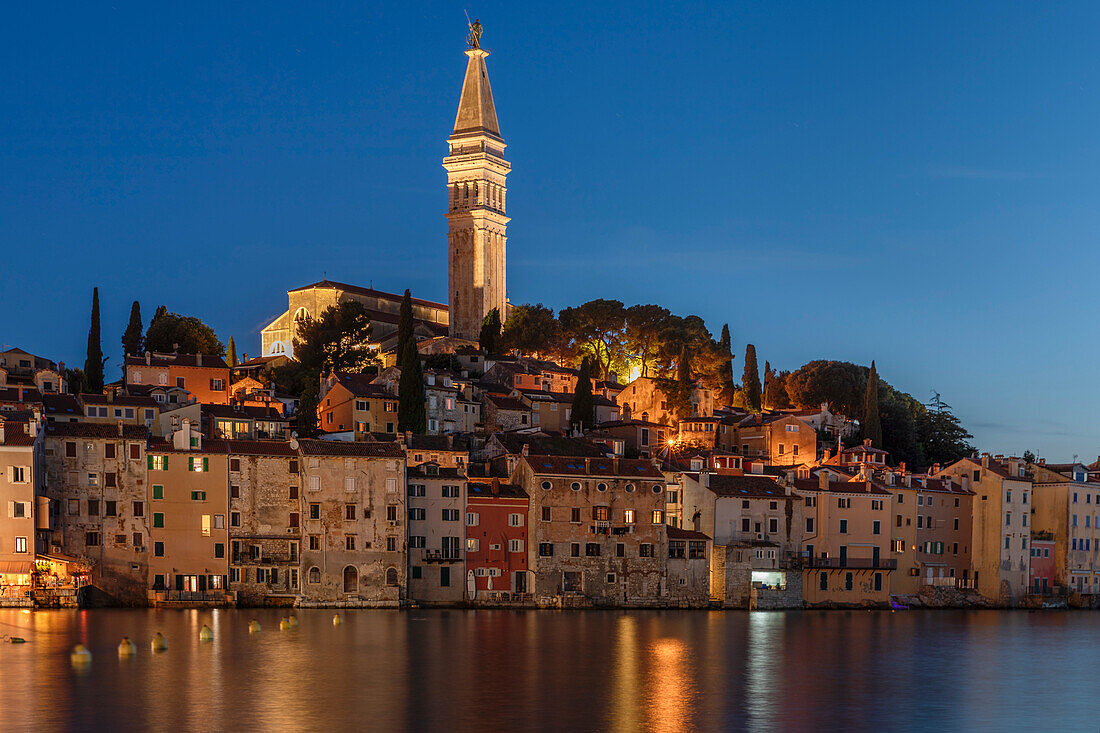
(476, 196)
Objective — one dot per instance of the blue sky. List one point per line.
(914, 183)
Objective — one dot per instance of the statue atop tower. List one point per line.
(476, 196)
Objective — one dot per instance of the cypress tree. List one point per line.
(412, 414)
(489, 338)
(872, 421)
(231, 353)
(132, 338)
(725, 349)
(583, 414)
(683, 368)
(404, 326)
(93, 364)
(750, 381)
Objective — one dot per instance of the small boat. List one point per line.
(898, 606)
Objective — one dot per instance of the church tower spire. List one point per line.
(476, 194)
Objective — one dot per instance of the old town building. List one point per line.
(20, 468)
(99, 503)
(597, 530)
(781, 440)
(497, 568)
(436, 501)
(353, 523)
(1065, 508)
(930, 533)
(205, 377)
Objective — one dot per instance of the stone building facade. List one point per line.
(353, 523)
(99, 503)
(436, 503)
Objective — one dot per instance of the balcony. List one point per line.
(852, 563)
(440, 556)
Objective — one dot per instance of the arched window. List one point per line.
(277, 348)
(301, 314)
(351, 579)
(391, 576)
(315, 574)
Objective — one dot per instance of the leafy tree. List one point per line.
(645, 328)
(725, 356)
(132, 338)
(683, 369)
(872, 419)
(750, 381)
(839, 383)
(775, 389)
(1028, 455)
(530, 330)
(489, 338)
(404, 326)
(169, 331)
(411, 410)
(93, 364)
(231, 353)
(943, 437)
(76, 381)
(598, 328)
(583, 412)
(690, 332)
(337, 339)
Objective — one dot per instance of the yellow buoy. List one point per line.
(336, 620)
(284, 624)
(206, 633)
(126, 648)
(254, 626)
(80, 656)
(160, 644)
(293, 621)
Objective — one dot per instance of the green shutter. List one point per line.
(164, 463)
(150, 462)
(205, 464)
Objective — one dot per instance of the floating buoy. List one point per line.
(80, 656)
(254, 627)
(284, 624)
(206, 633)
(126, 648)
(336, 620)
(16, 640)
(293, 621)
(160, 644)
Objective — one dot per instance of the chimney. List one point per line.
(587, 465)
(965, 481)
(826, 455)
(615, 466)
(407, 439)
(175, 348)
(120, 428)
(908, 480)
(935, 468)
(985, 460)
(901, 467)
(495, 486)
(823, 480)
(1042, 461)
(867, 442)
(32, 425)
(198, 359)
(705, 475)
(525, 450)
(244, 357)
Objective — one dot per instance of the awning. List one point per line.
(15, 567)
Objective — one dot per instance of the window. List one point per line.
(592, 549)
(93, 479)
(314, 511)
(575, 514)
(823, 580)
(416, 514)
(628, 516)
(844, 526)
(848, 581)
(546, 514)
(451, 515)
(515, 545)
(109, 450)
(897, 545)
(515, 520)
(20, 544)
(473, 544)
(1008, 519)
(349, 542)
(158, 491)
(391, 513)
(773, 526)
(197, 464)
(547, 485)
(391, 546)
(575, 549)
(70, 450)
(234, 519)
(658, 516)
(878, 581)
(450, 492)
(809, 525)
(645, 550)
(601, 514)
(576, 486)
(876, 527)
(198, 496)
(350, 512)
(697, 550)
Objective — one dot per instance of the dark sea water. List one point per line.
(556, 671)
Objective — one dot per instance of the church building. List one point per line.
(476, 237)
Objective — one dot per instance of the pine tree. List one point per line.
(725, 351)
(872, 421)
(132, 338)
(750, 381)
(489, 338)
(412, 413)
(93, 364)
(404, 326)
(231, 353)
(583, 414)
(683, 368)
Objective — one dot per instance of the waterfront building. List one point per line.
(1066, 507)
(597, 530)
(188, 503)
(845, 541)
(99, 509)
(21, 446)
(265, 522)
(353, 524)
(930, 534)
(687, 568)
(1001, 524)
(497, 547)
(1043, 569)
(436, 501)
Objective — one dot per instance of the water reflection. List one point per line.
(490, 670)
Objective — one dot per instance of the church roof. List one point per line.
(476, 111)
(358, 290)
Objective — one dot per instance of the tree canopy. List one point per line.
(93, 364)
(489, 338)
(412, 412)
(872, 420)
(404, 326)
(167, 331)
(750, 381)
(132, 338)
(337, 339)
(583, 412)
(533, 330)
(598, 328)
